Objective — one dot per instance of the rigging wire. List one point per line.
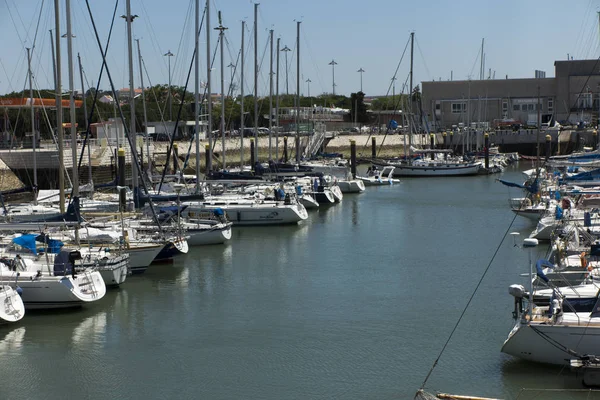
(468, 302)
(424, 62)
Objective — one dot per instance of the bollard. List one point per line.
(175, 157)
(353, 158)
(486, 149)
(252, 155)
(121, 181)
(548, 146)
(431, 141)
(285, 153)
(373, 148)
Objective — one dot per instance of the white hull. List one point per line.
(47, 292)
(214, 235)
(12, 308)
(532, 214)
(140, 257)
(308, 201)
(254, 213)
(372, 181)
(440, 169)
(529, 343)
(353, 186)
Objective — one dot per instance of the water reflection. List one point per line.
(12, 340)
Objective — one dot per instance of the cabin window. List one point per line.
(458, 108)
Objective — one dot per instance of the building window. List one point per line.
(437, 106)
(523, 107)
(504, 105)
(530, 107)
(458, 108)
(550, 105)
(516, 107)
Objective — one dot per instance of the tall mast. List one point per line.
(481, 66)
(271, 95)
(242, 101)
(132, 135)
(73, 120)
(33, 132)
(277, 103)
(410, 102)
(89, 148)
(255, 82)
(221, 30)
(196, 94)
(145, 113)
(297, 91)
(59, 110)
(208, 91)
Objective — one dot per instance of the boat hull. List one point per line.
(256, 214)
(12, 308)
(437, 170)
(353, 186)
(214, 235)
(538, 342)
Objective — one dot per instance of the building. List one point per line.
(570, 97)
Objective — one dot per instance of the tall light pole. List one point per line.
(333, 64)
(360, 71)
(308, 81)
(169, 54)
(393, 88)
(287, 88)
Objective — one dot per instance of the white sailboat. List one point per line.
(374, 177)
(12, 308)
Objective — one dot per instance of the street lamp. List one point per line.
(286, 50)
(360, 71)
(169, 54)
(333, 64)
(393, 88)
(308, 81)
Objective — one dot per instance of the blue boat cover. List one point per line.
(539, 268)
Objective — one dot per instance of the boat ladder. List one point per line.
(89, 283)
(10, 307)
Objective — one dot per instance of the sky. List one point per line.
(520, 37)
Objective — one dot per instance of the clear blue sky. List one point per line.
(520, 37)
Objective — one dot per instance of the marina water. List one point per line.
(354, 303)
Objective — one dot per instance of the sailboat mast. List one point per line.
(410, 92)
(89, 148)
(221, 30)
(132, 135)
(208, 92)
(59, 110)
(73, 120)
(196, 94)
(271, 96)
(145, 113)
(33, 133)
(277, 103)
(242, 101)
(298, 92)
(255, 82)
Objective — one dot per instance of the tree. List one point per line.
(358, 109)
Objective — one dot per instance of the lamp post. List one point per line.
(169, 54)
(360, 71)
(287, 88)
(393, 88)
(333, 64)
(308, 81)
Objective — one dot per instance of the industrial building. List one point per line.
(571, 97)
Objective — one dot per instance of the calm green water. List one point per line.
(355, 303)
